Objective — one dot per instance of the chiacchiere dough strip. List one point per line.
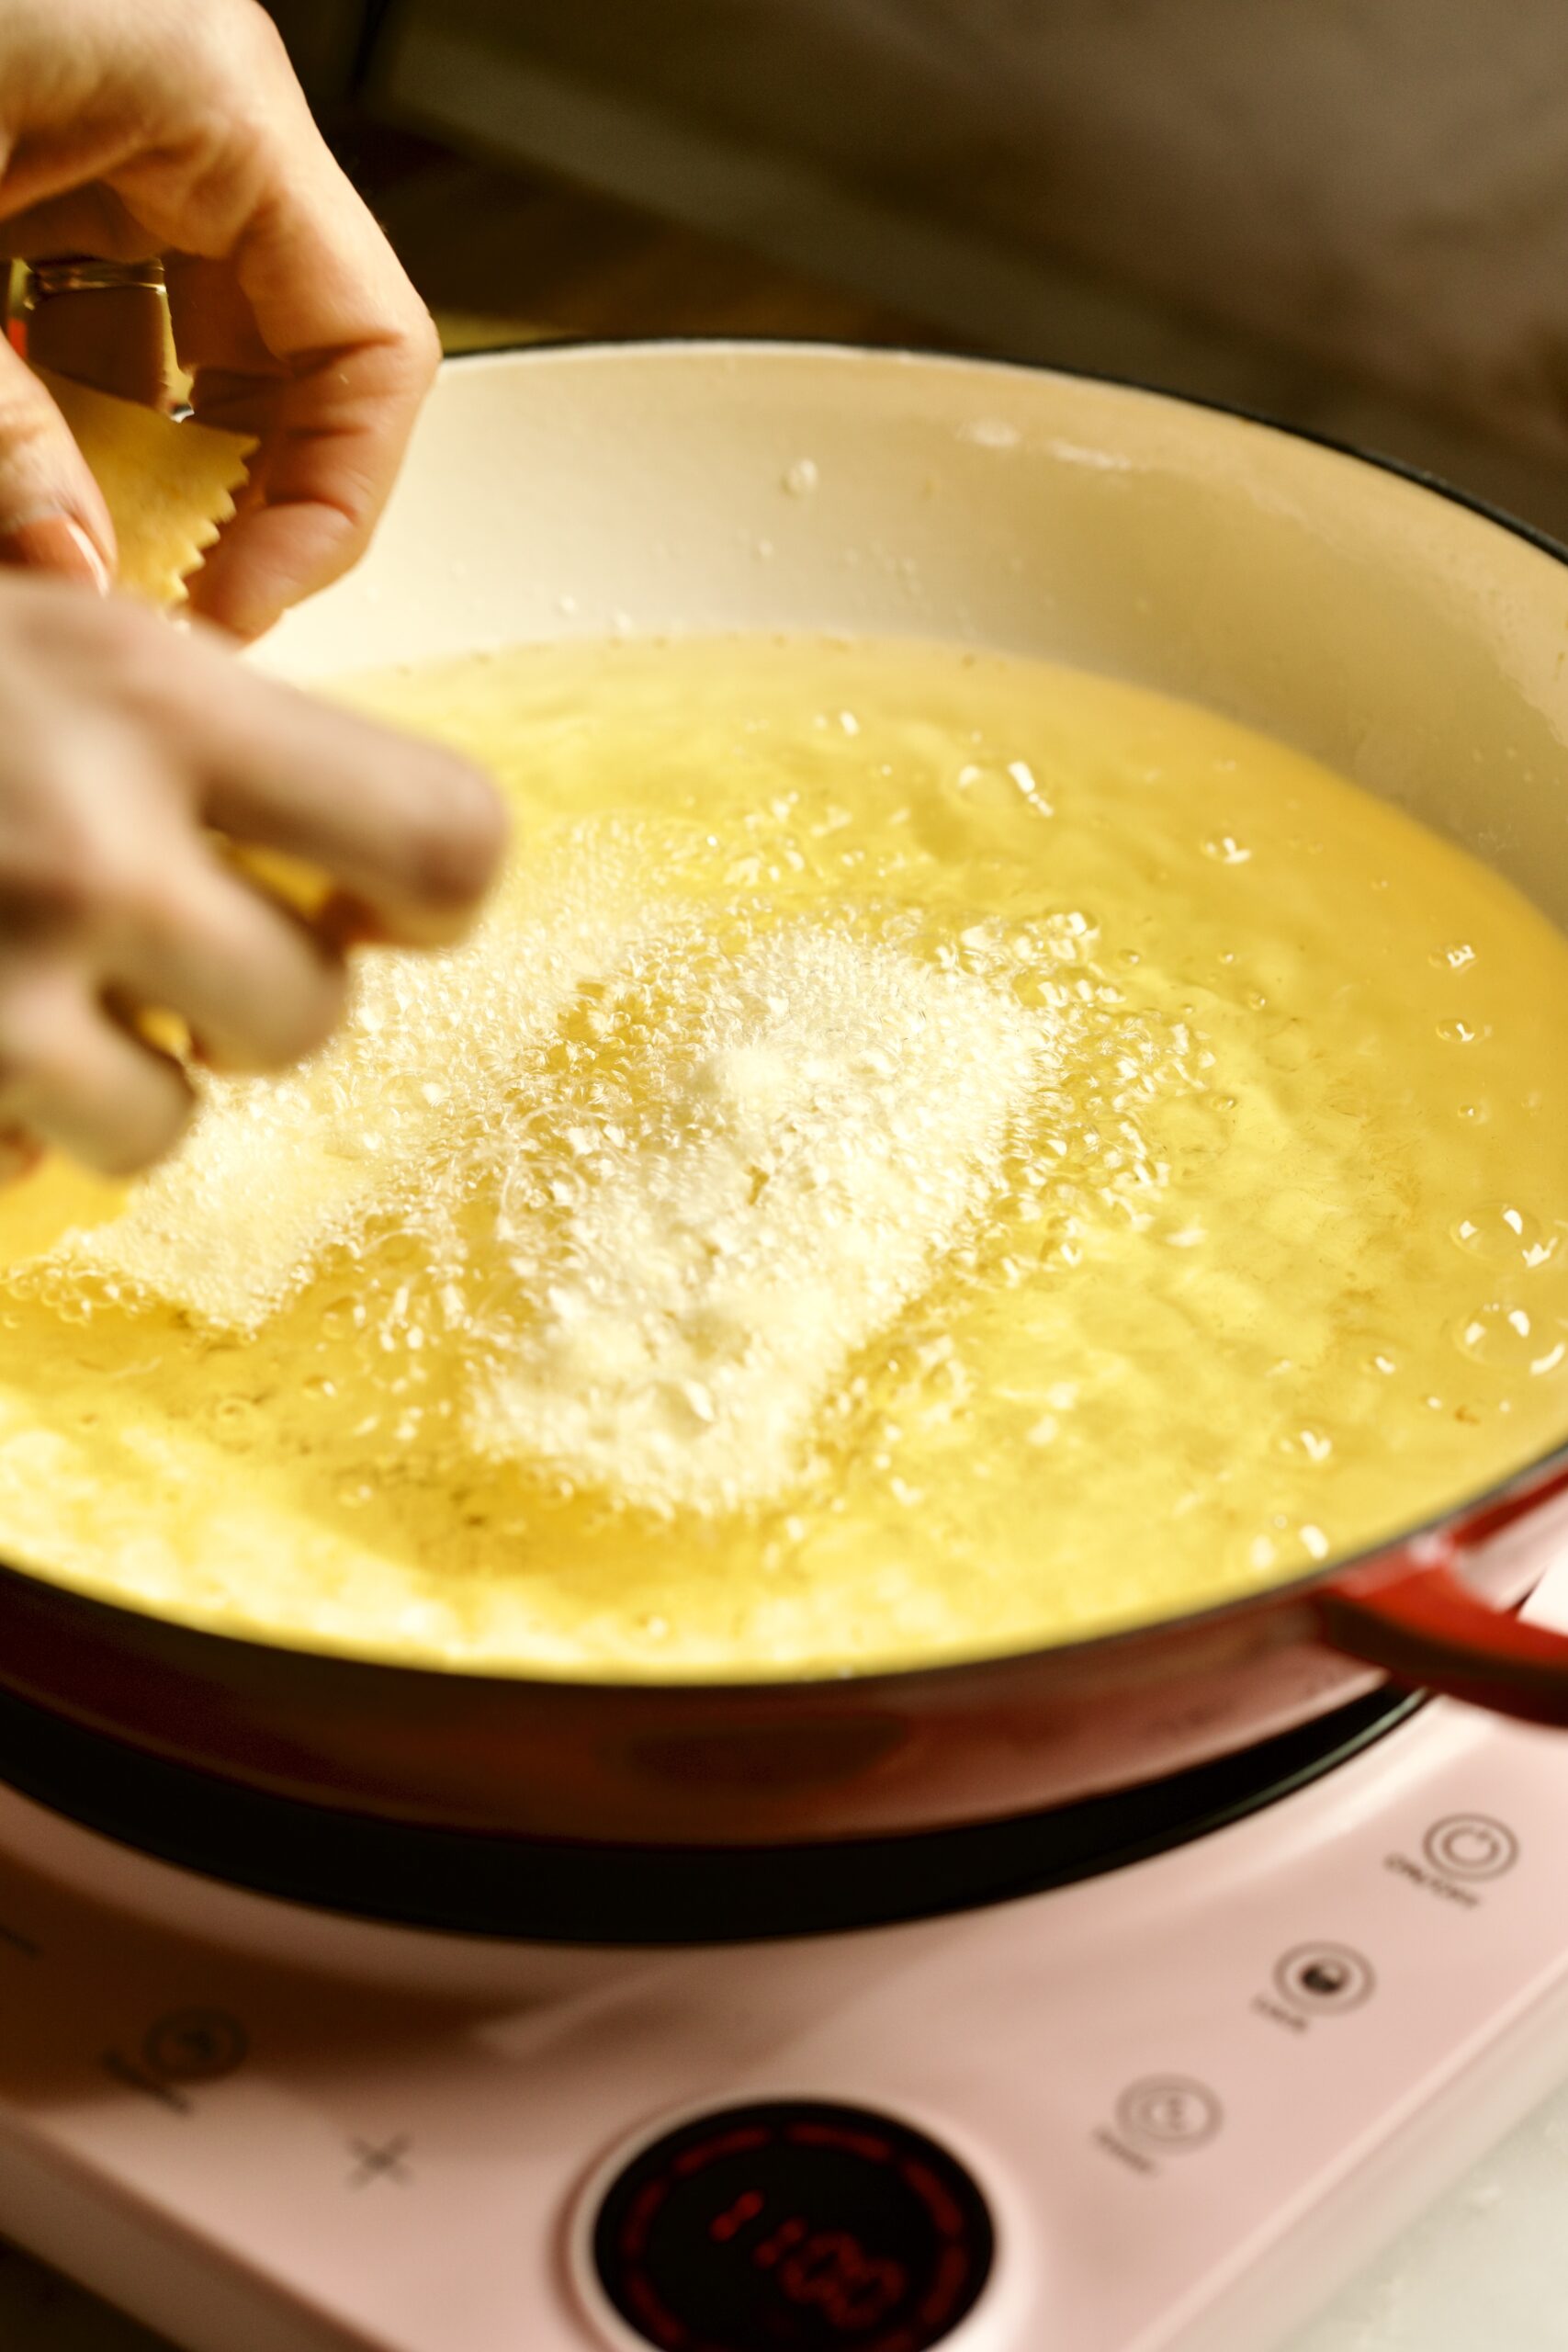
(168, 483)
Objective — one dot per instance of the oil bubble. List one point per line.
(1502, 1235)
(1506, 1337)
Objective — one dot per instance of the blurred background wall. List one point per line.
(1351, 212)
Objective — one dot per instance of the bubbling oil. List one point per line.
(928, 1154)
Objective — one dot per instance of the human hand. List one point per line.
(175, 129)
(124, 747)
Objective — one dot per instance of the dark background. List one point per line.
(1353, 218)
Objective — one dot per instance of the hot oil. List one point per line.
(931, 1153)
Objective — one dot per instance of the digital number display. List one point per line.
(793, 2226)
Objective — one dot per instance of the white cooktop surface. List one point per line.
(1481, 2271)
(1187, 2129)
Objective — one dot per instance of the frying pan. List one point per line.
(1411, 641)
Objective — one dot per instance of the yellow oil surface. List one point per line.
(929, 1154)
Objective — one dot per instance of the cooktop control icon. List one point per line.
(196, 2046)
(1325, 1980)
(1170, 2112)
(1471, 1846)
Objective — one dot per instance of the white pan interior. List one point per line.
(654, 488)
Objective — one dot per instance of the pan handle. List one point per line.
(1417, 1619)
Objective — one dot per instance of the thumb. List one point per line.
(52, 516)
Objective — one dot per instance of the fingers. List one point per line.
(314, 340)
(410, 833)
(87, 219)
(256, 989)
(52, 516)
(332, 436)
(406, 829)
(71, 1077)
(177, 127)
(124, 748)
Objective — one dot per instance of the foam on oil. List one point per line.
(927, 1154)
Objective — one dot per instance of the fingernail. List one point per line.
(55, 543)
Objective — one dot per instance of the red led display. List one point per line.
(793, 2226)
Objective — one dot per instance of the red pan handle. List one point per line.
(1416, 1619)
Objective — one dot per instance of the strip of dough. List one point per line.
(169, 484)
